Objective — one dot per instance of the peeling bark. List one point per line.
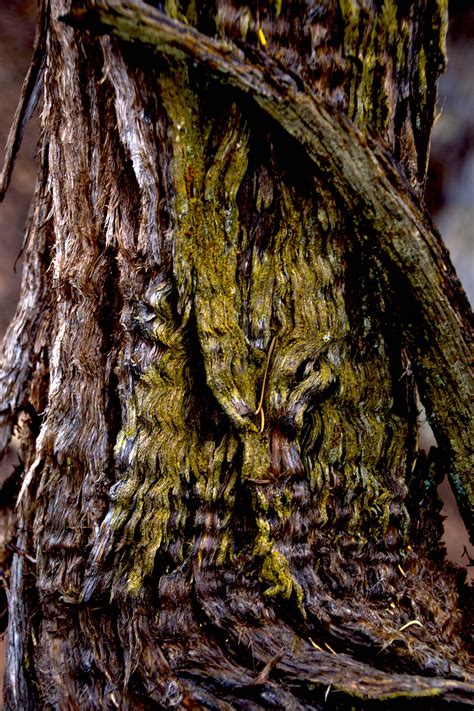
(228, 278)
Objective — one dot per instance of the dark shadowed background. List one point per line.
(450, 191)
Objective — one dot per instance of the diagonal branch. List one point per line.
(363, 172)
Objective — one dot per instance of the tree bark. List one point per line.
(231, 294)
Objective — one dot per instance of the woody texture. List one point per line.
(233, 303)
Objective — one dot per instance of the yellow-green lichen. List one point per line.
(322, 401)
(275, 569)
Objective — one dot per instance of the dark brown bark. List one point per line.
(229, 280)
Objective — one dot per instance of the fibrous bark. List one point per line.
(222, 490)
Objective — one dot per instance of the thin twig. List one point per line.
(262, 393)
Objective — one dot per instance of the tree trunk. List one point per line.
(229, 288)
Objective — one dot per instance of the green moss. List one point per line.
(172, 9)
(350, 16)
(372, 49)
(441, 24)
(332, 402)
(278, 5)
(422, 81)
(389, 21)
(275, 569)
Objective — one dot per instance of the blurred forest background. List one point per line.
(449, 194)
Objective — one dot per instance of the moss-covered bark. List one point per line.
(221, 468)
